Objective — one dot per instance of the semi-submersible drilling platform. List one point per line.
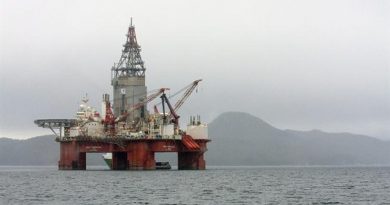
(126, 128)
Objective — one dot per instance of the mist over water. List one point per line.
(217, 185)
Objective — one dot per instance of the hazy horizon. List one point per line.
(228, 112)
(298, 65)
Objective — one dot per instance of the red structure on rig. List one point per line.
(125, 127)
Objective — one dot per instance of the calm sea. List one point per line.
(217, 185)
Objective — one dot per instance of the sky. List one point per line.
(304, 64)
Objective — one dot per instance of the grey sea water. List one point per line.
(217, 185)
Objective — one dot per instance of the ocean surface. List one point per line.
(216, 185)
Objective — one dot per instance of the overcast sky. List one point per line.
(296, 64)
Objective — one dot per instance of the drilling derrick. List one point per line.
(128, 80)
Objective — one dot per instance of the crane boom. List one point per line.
(148, 99)
(139, 105)
(171, 109)
(186, 94)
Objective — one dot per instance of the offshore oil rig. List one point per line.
(126, 128)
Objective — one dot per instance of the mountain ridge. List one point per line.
(272, 146)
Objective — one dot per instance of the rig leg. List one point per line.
(70, 157)
(119, 160)
(191, 161)
(141, 157)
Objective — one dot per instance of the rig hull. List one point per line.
(132, 154)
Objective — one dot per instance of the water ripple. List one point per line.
(246, 185)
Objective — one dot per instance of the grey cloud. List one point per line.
(298, 64)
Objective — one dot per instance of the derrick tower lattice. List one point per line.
(130, 63)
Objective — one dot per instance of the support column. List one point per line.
(70, 157)
(119, 161)
(141, 157)
(191, 161)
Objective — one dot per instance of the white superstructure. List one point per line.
(89, 123)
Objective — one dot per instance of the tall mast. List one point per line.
(130, 63)
(128, 79)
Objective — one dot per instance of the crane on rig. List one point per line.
(139, 105)
(187, 93)
(110, 120)
(173, 116)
